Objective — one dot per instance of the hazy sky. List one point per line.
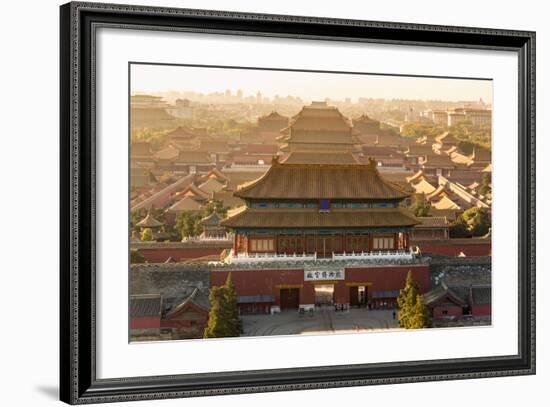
(307, 85)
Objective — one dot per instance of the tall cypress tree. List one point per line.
(406, 300)
(413, 313)
(223, 318)
(215, 328)
(419, 316)
(147, 235)
(233, 320)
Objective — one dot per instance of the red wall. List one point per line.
(258, 282)
(476, 249)
(161, 255)
(390, 278)
(452, 310)
(145, 323)
(183, 323)
(481, 310)
(264, 282)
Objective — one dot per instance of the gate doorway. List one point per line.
(358, 296)
(324, 294)
(290, 298)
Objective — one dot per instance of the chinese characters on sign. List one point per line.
(313, 275)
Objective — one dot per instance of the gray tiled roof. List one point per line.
(481, 294)
(455, 294)
(196, 296)
(145, 305)
(211, 220)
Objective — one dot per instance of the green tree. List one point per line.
(416, 130)
(147, 235)
(465, 147)
(232, 306)
(478, 220)
(419, 316)
(485, 186)
(216, 327)
(223, 318)
(459, 228)
(413, 313)
(406, 300)
(214, 206)
(420, 206)
(186, 224)
(136, 257)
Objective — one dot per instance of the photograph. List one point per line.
(257, 202)
(269, 202)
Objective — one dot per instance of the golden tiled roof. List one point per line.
(149, 221)
(312, 218)
(193, 191)
(415, 150)
(446, 137)
(320, 181)
(314, 157)
(274, 115)
(168, 153)
(424, 187)
(436, 160)
(364, 118)
(185, 204)
(320, 118)
(432, 222)
(227, 198)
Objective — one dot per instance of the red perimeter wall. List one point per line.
(481, 310)
(452, 310)
(145, 322)
(454, 249)
(265, 282)
(161, 255)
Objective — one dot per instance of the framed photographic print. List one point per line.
(255, 203)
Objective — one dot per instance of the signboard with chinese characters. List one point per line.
(316, 275)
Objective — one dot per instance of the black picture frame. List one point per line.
(78, 382)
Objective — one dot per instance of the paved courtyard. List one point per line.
(320, 321)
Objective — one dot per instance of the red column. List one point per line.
(235, 243)
(344, 240)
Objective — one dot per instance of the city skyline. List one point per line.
(305, 85)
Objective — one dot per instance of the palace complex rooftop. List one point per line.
(320, 181)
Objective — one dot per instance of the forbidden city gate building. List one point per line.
(313, 206)
(319, 209)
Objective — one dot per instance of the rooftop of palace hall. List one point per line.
(320, 181)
